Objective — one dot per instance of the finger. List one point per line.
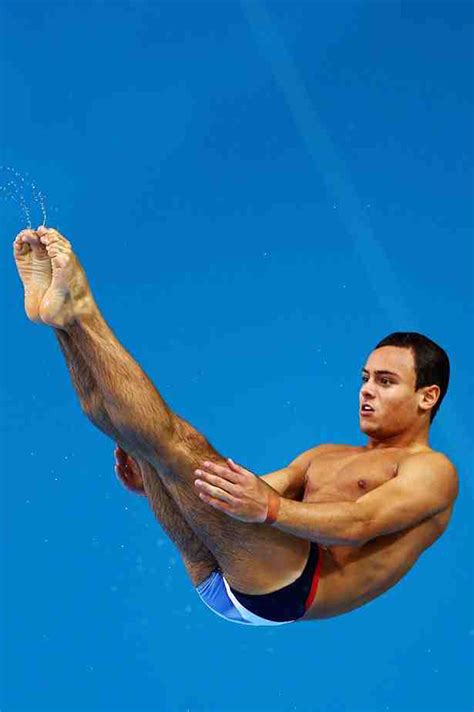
(221, 470)
(216, 503)
(122, 475)
(216, 492)
(238, 469)
(120, 459)
(121, 455)
(121, 472)
(235, 467)
(219, 482)
(125, 469)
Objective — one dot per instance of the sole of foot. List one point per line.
(34, 268)
(69, 292)
(56, 287)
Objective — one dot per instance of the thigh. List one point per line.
(255, 558)
(197, 559)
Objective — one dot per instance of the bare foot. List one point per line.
(34, 267)
(69, 294)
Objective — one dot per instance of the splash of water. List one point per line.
(14, 186)
(39, 197)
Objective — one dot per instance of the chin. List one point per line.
(367, 428)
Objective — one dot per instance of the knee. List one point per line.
(184, 431)
(191, 440)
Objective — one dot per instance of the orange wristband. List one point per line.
(273, 508)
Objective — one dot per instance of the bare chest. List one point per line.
(347, 473)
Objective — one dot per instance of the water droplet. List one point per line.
(14, 187)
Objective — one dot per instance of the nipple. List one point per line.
(362, 484)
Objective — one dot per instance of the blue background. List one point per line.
(259, 192)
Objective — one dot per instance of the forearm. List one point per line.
(286, 484)
(132, 403)
(331, 524)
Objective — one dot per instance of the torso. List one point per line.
(353, 576)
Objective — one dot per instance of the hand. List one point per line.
(235, 491)
(128, 471)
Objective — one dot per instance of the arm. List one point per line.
(290, 481)
(426, 484)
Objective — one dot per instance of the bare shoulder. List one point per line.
(434, 463)
(432, 458)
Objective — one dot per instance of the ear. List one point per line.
(429, 396)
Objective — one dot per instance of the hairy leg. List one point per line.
(197, 558)
(255, 558)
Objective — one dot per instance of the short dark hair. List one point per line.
(431, 361)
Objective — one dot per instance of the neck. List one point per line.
(416, 439)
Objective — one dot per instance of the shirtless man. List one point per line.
(331, 531)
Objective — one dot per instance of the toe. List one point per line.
(24, 233)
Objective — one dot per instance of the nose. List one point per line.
(367, 390)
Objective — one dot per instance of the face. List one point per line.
(388, 385)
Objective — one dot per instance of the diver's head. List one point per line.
(404, 380)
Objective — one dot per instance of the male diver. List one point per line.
(336, 527)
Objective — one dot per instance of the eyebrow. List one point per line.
(379, 373)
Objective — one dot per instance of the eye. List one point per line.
(385, 380)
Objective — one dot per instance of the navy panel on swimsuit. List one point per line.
(289, 602)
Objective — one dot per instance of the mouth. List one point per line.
(366, 411)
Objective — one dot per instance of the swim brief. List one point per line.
(286, 605)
